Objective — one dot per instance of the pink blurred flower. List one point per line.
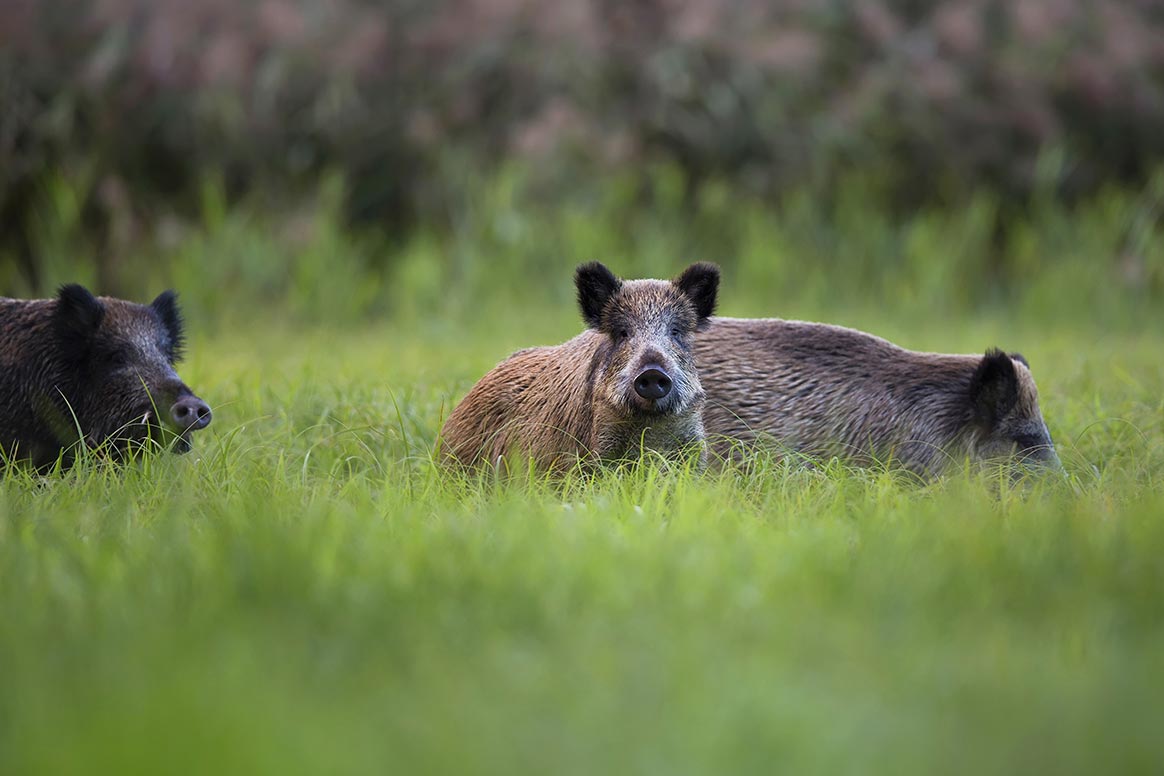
(958, 26)
(793, 50)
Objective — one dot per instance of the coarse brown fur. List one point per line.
(99, 369)
(577, 401)
(828, 391)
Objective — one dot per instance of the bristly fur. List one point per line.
(576, 401)
(828, 391)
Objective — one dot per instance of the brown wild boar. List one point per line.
(100, 370)
(828, 391)
(626, 384)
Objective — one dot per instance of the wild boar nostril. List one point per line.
(190, 413)
(652, 384)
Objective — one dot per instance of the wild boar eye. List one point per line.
(1027, 441)
(676, 333)
(621, 334)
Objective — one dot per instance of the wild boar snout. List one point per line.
(653, 383)
(189, 413)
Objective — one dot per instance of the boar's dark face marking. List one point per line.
(1005, 411)
(646, 366)
(124, 355)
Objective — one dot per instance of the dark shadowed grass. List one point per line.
(306, 593)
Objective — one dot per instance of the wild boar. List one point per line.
(828, 391)
(626, 384)
(98, 371)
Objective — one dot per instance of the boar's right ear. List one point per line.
(993, 389)
(700, 282)
(78, 312)
(595, 284)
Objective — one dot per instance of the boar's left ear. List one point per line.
(166, 306)
(1019, 357)
(993, 388)
(596, 284)
(700, 282)
(78, 312)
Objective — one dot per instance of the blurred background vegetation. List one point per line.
(361, 158)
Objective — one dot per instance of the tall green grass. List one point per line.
(305, 592)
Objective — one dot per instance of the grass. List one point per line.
(305, 593)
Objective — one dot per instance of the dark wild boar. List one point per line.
(626, 384)
(828, 391)
(98, 370)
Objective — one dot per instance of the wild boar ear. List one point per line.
(78, 312)
(993, 388)
(166, 306)
(1019, 357)
(596, 285)
(700, 282)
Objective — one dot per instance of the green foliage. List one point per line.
(930, 104)
(305, 592)
(799, 258)
(307, 263)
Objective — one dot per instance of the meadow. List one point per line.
(305, 592)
